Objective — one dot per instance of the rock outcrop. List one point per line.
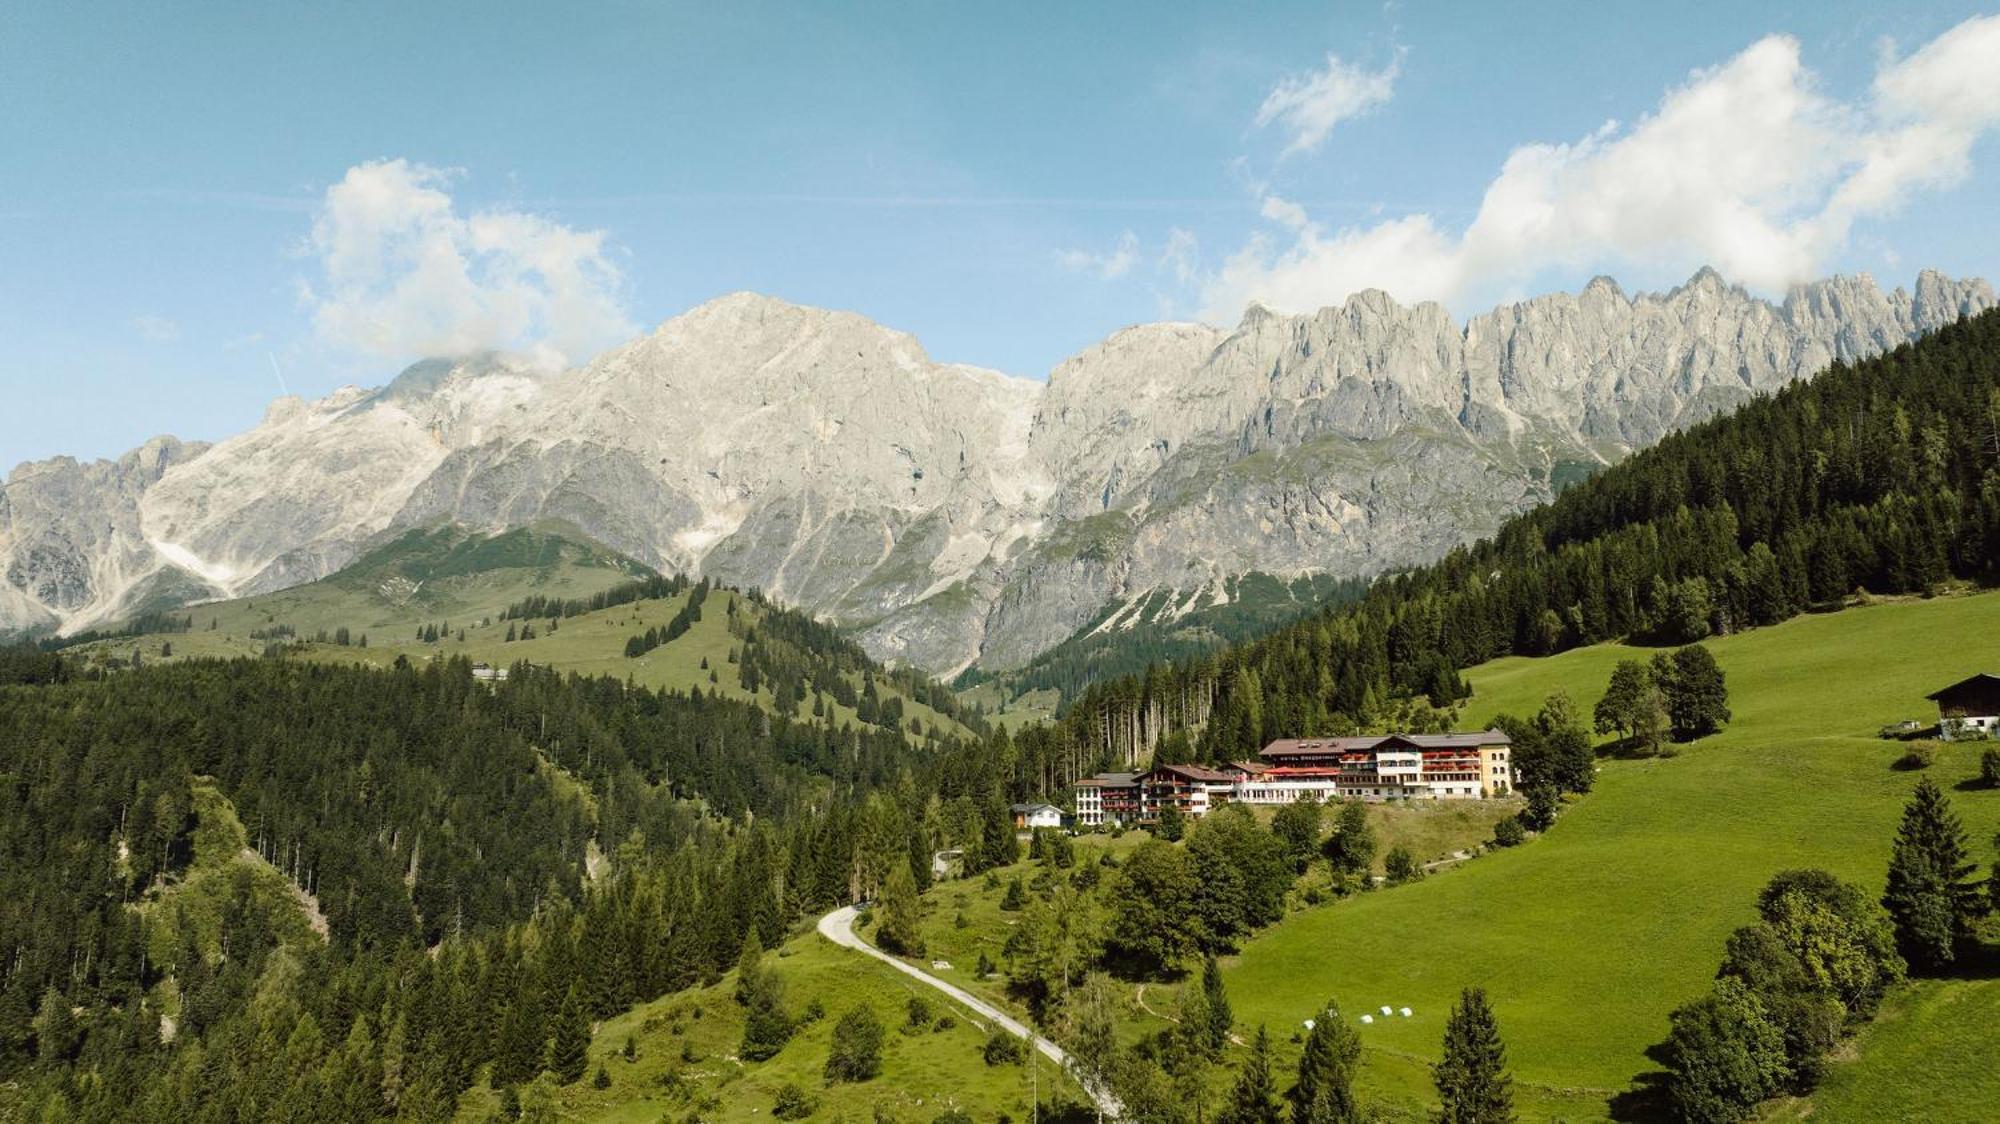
(946, 513)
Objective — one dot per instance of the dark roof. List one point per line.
(1025, 809)
(1979, 682)
(1323, 747)
(1195, 773)
(1111, 780)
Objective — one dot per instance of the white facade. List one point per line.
(1968, 726)
(1037, 815)
(1090, 806)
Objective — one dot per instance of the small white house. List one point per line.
(1032, 816)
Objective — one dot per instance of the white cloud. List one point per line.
(1108, 266)
(1746, 167)
(404, 275)
(1181, 256)
(1308, 106)
(154, 328)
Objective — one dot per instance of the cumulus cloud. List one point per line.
(154, 328)
(1746, 166)
(404, 275)
(1107, 266)
(1308, 106)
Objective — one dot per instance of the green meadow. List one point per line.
(1587, 937)
(684, 1054)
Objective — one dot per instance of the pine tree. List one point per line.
(569, 1049)
(1220, 1017)
(1254, 1098)
(1324, 1093)
(901, 930)
(1472, 1081)
(1931, 898)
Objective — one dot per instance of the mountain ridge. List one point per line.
(949, 514)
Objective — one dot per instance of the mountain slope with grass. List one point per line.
(1585, 938)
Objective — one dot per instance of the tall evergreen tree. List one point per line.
(901, 930)
(1472, 1080)
(1932, 897)
(1324, 1093)
(1220, 1017)
(569, 1045)
(1254, 1097)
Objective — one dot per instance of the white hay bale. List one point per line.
(1388, 1011)
(1368, 1020)
(1309, 1024)
(1406, 1012)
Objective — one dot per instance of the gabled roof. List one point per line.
(1110, 780)
(1980, 680)
(1367, 743)
(1031, 809)
(1200, 773)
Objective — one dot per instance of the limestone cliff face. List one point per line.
(951, 514)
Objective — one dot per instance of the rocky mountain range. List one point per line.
(951, 515)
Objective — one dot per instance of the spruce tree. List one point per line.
(1220, 1017)
(1472, 1081)
(901, 930)
(569, 1048)
(1254, 1098)
(1325, 1090)
(1931, 898)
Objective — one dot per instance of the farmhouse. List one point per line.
(1036, 815)
(1969, 707)
(1107, 798)
(1465, 766)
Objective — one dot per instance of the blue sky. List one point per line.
(1009, 183)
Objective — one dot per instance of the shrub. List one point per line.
(815, 1010)
(919, 1017)
(1920, 755)
(1509, 832)
(1401, 866)
(602, 1080)
(1003, 1048)
(856, 1052)
(793, 1103)
(1989, 766)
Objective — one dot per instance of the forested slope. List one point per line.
(444, 826)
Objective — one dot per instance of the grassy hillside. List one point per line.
(462, 583)
(684, 1056)
(1585, 939)
(427, 575)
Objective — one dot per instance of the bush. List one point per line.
(793, 1103)
(856, 1052)
(919, 1017)
(602, 1080)
(1989, 766)
(815, 1010)
(1401, 866)
(1509, 832)
(1920, 755)
(1003, 1048)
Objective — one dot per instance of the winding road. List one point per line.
(838, 927)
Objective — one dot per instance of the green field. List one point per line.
(923, 1074)
(1586, 938)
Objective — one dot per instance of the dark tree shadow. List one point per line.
(1645, 1102)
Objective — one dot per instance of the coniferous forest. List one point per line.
(436, 823)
